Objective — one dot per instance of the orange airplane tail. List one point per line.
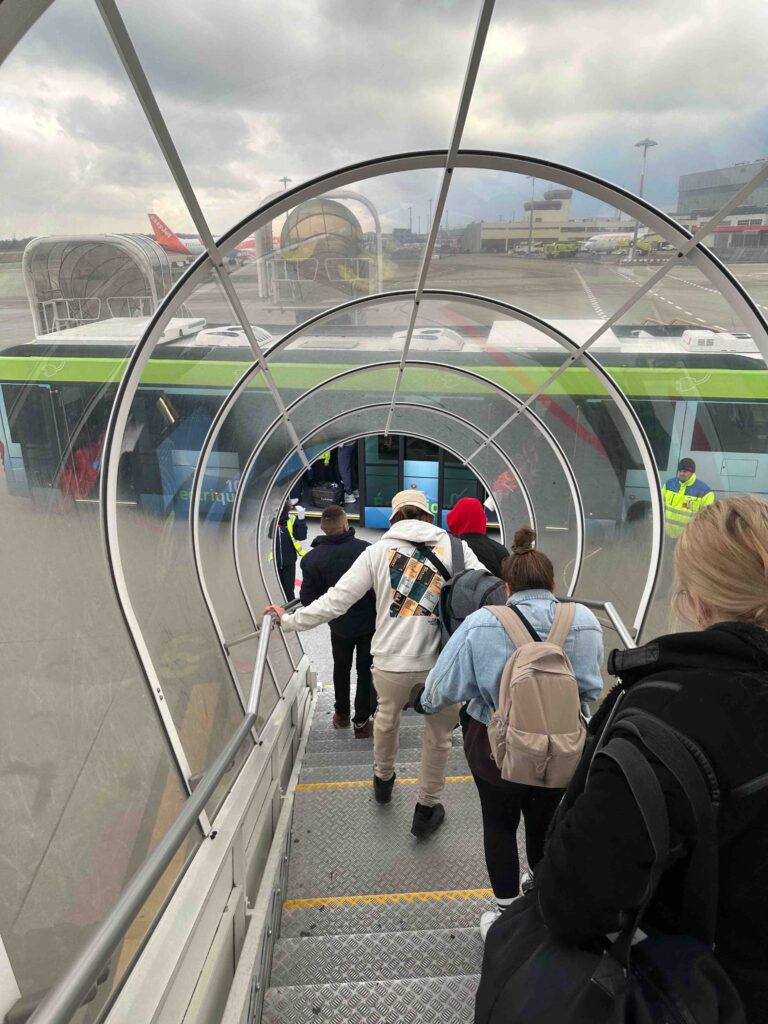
(165, 237)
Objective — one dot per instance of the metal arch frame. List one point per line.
(226, 407)
(353, 174)
(327, 422)
(230, 400)
(462, 110)
(576, 352)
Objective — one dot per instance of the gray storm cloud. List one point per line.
(252, 92)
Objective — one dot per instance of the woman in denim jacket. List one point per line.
(469, 669)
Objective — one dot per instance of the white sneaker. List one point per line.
(349, 499)
(487, 918)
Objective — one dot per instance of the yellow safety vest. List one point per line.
(680, 506)
(301, 551)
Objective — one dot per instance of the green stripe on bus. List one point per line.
(639, 382)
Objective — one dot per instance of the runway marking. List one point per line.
(590, 295)
(379, 898)
(362, 783)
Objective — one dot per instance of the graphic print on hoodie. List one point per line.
(415, 585)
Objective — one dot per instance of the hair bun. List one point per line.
(524, 540)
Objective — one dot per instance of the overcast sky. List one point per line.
(253, 91)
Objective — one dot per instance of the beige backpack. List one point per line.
(537, 733)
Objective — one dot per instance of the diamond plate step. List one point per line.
(410, 739)
(415, 912)
(376, 957)
(407, 1001)
(457, 765)
(344, 843)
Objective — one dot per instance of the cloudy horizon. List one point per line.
(254, 93)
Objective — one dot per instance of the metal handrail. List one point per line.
(241, 639)
(610, 610)
(67, 995)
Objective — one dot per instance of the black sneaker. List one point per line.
(382, 788)
(427, 820)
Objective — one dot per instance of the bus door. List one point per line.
(421, 470)
(383, 479)
(728, 441)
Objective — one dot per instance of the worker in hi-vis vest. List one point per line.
(684, 496)
(289, 531)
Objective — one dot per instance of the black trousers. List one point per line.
(288, 580)
(502, 806)
(344, 649)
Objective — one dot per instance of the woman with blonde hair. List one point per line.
(711, 686)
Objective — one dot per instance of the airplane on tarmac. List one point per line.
(611, 241)
(191, 247)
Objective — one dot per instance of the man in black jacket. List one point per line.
(331, 555)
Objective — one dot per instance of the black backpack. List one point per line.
(464, 590)
(528, 977)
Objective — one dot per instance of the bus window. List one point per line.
(657, 417)
(458, 482)
(727, 427)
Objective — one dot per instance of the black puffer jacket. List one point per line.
(597, 861)
(489, 551)
(323, 567)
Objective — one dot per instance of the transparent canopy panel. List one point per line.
(89, 784)
(273, 106)
(535, 453)
(340, 246)
(548, 248)
(605, 453)
(81, 161)
(358, 421)
(182, 386)
(254, 548)
(630, 74)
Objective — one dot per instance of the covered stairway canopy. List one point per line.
(393, 294)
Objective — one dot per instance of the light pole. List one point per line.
(530, 218)
(429, 222)
(285, 181)
(410, 220)
(646, 144)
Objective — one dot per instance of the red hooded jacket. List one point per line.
(467, 520)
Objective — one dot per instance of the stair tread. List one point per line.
(376, 956)
(407, 914)
(447, 1000)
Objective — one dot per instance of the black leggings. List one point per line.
(502, 804)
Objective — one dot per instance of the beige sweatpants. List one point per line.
(393, 689)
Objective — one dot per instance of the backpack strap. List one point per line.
(430, 555)
(516, 631)
(457, 554)
(562, 623)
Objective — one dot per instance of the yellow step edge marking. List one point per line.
(361, 783)
(387, 897)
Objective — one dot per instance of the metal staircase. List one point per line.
(377, 927)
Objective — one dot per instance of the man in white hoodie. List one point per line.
(405, 645)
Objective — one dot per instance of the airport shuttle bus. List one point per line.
(697, 393)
